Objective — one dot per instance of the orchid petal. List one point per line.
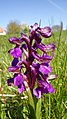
(16, 52)
(45, 32)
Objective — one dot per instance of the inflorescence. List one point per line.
(29, 65)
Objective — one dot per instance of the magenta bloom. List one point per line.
(45, 32)
(45, 69)
(16, 52)
(43, 87)
(18, 81)
(29, 65)
(15, 40)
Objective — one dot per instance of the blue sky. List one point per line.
(30, 11)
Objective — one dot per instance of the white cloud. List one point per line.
(57, 6)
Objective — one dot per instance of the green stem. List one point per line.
(49, 107)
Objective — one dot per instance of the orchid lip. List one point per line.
(16, 52)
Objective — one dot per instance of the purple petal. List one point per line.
(49, 47)
(24, 38)
(40, 46)
(35, 55)
(15, 61)
(44, 58)
(37, 37)
(10, 81)
(14, 69)
(37, 92)
(45, 32)
(51, 89)
(42, 83)
(15, 40)
(32, 31)
(36, 65)
(35, 26)
(46, 48)
(23, 46)
(46, 86)
(16, 52)
(21, 88)
(45, 69)
(18, 80)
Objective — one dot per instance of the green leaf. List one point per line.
(32, 113)
(38, 109)
(65, 116)
(30, 97)
(31, 102)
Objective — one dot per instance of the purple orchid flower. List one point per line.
(16, 52)
(45, 68)
(43, 87)
(44, 58)
(18, 81)
(45, 48)
(45, 32)
(14, 66)
(29, 65)
(15, 40)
